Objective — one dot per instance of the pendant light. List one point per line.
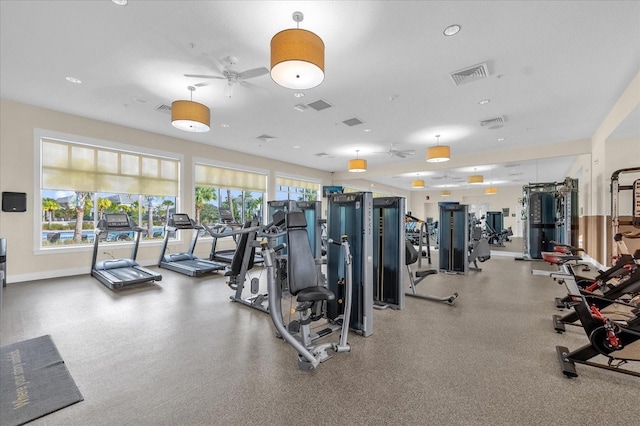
(190, 116)
(297, 57)
(492, 190)
(475, 179)
(417, 184)
(438, 153)
(357, 165)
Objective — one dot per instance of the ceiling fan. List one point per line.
(399, 153)
(228, 70)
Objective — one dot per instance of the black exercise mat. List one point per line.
(34, 381)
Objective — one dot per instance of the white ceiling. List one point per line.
(556, 68)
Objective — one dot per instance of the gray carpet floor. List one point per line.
(180, 353)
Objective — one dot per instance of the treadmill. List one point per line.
(186, 263)
(119, 273)
(222, 231)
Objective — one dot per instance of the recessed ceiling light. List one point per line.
(367, 130)
(120, 2)
(296, 146)
(452, 30)
(500, 139)
(298, 95)
(484, 101)
(224, 125)
(73, 80)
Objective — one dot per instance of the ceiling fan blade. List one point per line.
(408, 151)
(254, 87)
(201, 84)
(205, 76)
(256, 72)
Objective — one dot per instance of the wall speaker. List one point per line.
(14, 202)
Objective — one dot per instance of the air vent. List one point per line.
(319, 105)
(323, 155)
(353, 121)
(437, 177)
(467, 75)
(164, 108)
(516, 174)
(493, 123)
(266, 138)
(511, 165)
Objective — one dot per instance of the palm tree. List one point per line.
(203, 195)
(103, 204)
(49, 205)
(82, 198)
(167, 205)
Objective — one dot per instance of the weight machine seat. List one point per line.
(557, 259)
(302, 272)
(411, 256)
(313, 294)
(420, 274)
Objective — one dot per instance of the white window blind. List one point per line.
(219, 177)
(67, 166)
(295, 183)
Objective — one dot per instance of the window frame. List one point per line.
(201, 161)
(38, 220)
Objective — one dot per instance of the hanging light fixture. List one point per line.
(445, 193)
(190, 116)
(438, 153)
(297, 57)
(491, 190)
(475, 179)
(417, 184)
(357, 165)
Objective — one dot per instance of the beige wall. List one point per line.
(18, 174)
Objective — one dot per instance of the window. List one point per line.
(225, 195)
(81, 182)
(296, 190)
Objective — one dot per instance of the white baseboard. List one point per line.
(57, 273)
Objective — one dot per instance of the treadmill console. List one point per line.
(182, 221)
(116, 222)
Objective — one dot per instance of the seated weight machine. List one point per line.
(311, 295)
(411, 257)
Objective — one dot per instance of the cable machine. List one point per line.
(388, 252)
(550, 213)
(621, 222)
(454, 238)
(351, 215)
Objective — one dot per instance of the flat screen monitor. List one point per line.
(181, 219)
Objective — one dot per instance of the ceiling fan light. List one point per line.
(417, 184)
(475, 179)
(357, 165)
(297, 59)
(445, 193)
(190, 116)
(491, 191)
(438, 153)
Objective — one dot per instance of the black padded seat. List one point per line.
(314, 294)
(420, 274)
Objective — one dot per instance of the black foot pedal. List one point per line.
(568, 367)
(558, 325)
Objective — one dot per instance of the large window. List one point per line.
(296, 189)
(226, 195)
(81, 182)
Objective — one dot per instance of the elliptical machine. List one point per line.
(311, 295)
